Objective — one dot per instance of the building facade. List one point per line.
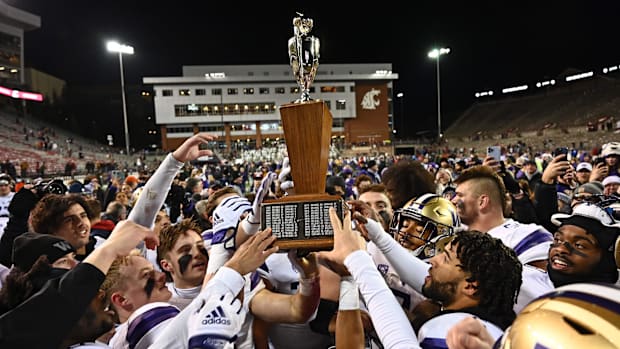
(13, 23)
(240, 103)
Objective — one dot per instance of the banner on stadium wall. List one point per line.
(31, 96)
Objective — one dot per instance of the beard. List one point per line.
(442, 292)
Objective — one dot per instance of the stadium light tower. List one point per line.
(400, 97)
(114, 46)
(435, 54)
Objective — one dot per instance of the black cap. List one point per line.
(28, 247)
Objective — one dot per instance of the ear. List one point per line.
(119, 301)
(165, 265)
(484, 201)
(470, 288)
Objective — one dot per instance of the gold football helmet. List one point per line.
(573, 316)
(425, 224)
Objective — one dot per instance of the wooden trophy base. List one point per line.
(301, 221)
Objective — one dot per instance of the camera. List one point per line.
(54, 186)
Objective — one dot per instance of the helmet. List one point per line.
(611, 148)
(573, 316)
(604, 213)
(435, 214)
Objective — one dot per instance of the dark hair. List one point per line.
(361, 178)
(47, 215)
(405, 180)
(21, 284)
(494, 266)
(114, 210)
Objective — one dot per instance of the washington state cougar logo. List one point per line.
(369, 101)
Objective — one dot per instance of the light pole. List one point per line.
(435, 54)
(400, 96)
(114, 46)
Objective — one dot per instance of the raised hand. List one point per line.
(216, 323)
(261, 193)
(557, 167)
(346, 240)
(306, 266)
(253, 253)
(190, 149)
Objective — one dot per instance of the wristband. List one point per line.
(249, 228)
(349, 294)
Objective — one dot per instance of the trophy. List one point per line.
(301, 220)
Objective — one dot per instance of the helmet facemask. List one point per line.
(418, 233)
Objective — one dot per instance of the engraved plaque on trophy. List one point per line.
(301, 220)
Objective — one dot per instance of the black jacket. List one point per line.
(45, 319)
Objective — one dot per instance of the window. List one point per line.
(201, 92)
(332, 88)
(266, 73)
(250, 73)
(341, 104)
(233, 91)
(263, 90)
(312, 89)
(295, 90)
(185, 92)
(351, 88)
(329, 104)
(216, 91)
(166, 93)
(179, 129)
(279, 90)
(248, 91)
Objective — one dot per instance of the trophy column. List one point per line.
(301, 220)
(307, 127)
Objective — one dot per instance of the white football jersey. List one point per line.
(282, 275)
(531, 242)
(406, 295)
(433, 333)
(5, 201)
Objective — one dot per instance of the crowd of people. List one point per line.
(452, 249)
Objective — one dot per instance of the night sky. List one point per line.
(494, 44)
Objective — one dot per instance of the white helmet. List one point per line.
(611, 148)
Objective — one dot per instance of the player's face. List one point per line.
(143, 284)
(377, 201)
(187, 260)
(411, 234)
(444, 277)
(5, 189)
(465, 199)
(96, 320)
(574, 251)
(75, 226)
(162, 221)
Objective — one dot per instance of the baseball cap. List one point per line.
(611, 180)
(594, 188)
(29, 246)
(584, 166)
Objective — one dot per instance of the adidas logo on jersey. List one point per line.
(216, 317)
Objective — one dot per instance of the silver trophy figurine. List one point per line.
(303, 52)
